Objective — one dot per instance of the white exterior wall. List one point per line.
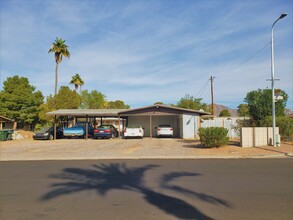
(190, 125)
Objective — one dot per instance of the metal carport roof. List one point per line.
(86, 112)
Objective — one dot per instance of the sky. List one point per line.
(150, 51)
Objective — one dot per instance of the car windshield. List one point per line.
(133, 126)
(44, 130)
(105, 126)
(81, 124)
(164, 126)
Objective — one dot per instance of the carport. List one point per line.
(185, 122)
(86, 114)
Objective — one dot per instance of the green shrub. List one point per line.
(285, 125)
(213, 136)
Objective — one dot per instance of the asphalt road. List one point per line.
(147, 189)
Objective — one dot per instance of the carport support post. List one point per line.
(119, 126)
(55, 127)
(86, 127)
(151, 130)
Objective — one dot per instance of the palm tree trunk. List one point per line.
(76, 87)
(56, 78)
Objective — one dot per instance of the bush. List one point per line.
(213, 136)
(285, 125)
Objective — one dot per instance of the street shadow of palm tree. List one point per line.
(166, 184)
(106, 177)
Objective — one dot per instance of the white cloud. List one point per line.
(147, 51)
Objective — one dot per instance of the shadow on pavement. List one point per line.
(106, 177)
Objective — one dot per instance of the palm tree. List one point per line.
(77, 81)
(60, 49)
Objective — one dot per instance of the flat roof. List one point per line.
(86, 112)
(153, 109)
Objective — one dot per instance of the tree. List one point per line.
(65, 99)
(60, 49)
(20, 101)
(260, 104)
(93, 100)
(225, 113)
(285, 125)
(242, 110)
(77, 81)
(189, 102)
(118, 104)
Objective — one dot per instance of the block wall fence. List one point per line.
(256, 136)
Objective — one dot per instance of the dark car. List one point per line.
(47, 133)
(105, 131)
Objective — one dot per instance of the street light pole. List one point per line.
(273, 79)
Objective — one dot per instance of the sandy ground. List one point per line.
(70, 149)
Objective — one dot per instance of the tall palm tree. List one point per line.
(60, 49)
(77, 81)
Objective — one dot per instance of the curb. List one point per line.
(286, 155)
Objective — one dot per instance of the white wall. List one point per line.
(223, 122)
(190, 125)
(256, 136)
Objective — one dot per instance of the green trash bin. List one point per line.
(9, 134)
(3, 135)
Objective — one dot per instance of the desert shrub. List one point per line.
(213, 136)
(285, 125)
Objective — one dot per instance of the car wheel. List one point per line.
(51, 137)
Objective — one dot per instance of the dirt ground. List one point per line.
(146, 148)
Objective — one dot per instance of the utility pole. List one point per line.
(212, 94)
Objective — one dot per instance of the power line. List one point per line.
(203, 89)
(249, 58)
(200, 92)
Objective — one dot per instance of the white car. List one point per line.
(133, 131)
(165, 130)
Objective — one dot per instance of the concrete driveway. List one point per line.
(70, 149)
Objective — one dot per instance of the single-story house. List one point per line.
(185, 122)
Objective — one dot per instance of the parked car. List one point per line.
(133, 131)
(78, 130)
(47, 133)
(105, 131)
(164, 130)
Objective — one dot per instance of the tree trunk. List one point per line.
(76, 87)
(56, 78)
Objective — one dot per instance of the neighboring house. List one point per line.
(110, 121)
(7, 123)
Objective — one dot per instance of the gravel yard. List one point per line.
(68, 149)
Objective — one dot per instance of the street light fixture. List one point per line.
(273, 79)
